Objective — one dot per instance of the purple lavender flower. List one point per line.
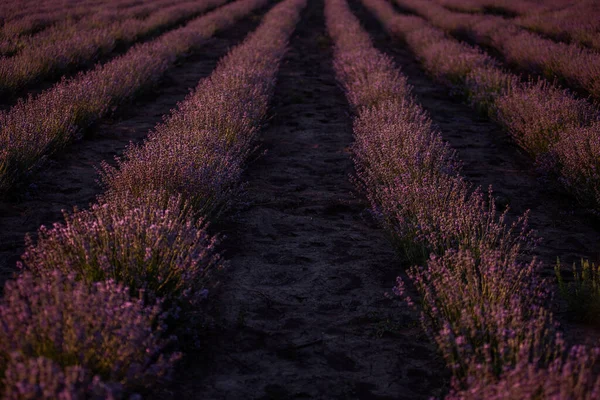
(80, 331)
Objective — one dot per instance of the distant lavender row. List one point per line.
(40, 19)
(13, 11)
(66, 49)
(482, 301)
(39, 126)
(144, 239)
(63, 24)
(575, 24)
(574, 66)
(560, 131)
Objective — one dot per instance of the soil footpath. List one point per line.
(303, 312)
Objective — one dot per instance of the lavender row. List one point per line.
(40, 28)
(14, 9)
(40, 18)
(43, 11)
(146, 223)
(577, 23)
(574, 66)
(561, 20)
(502, 7)
(559, 130)
(41, 125)
(481, 297)
(61, 50)
(154, 241)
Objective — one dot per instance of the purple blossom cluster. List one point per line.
(41, 378)
(59, 49)
(568, 377)
(59, 335)
(48, 122)
(559, 130)
(481, 297)
(69, 325)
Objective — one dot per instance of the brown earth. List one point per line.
(303, 312)
(70, 179)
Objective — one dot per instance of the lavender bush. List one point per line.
(410, 174)
(483, 87)
(536, 115)
(494, 6)
(20, 18)
(577, 151)
(32, 378)
(150, 243)
(62, 23)
(483, 310)
(447, 60)
(80, 330)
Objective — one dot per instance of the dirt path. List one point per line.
(303, 314)
(490, 157)
(69, 179)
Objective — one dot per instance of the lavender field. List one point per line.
(300, 199)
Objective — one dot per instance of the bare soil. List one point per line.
(69, 179)
(303, 313)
